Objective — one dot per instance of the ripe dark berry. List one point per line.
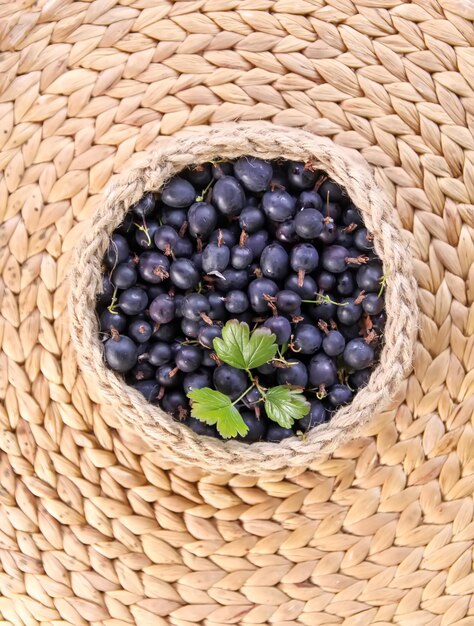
(188, 358)
(194, 306)
(117, 252)
(124, 275)
(339, 395)
(184, 274)
(159, 353)
(153, 267)
(215, 258)
(140, 331)
(280, 327)
(274, 261)
(258, 289)
(334, 343)
(301, 176)
(251, 219)
(144, 206)
(162, 309)
(316, 416)
(202, 219)
(307, 339)
(278, 205)
(229, 380)
(149, 389)
(120, 353)
(178, 193)
(358, 354)
(133, 301)
(110, 322)
(253, 173)
(334, 259)
(308, 223)
(236, 301)
(295, 374)
(257, 427)
(322, 371)
(228, 196)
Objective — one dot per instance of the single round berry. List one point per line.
(149, 389)
(159, 353)
(110, 322)
(228, 196)
(280, 327)
(306, 339)
(207, 334)
(322, 371)
(236, 301)
(194, 306)
(301, 176)
(140, 331)
(230, 381)
(295, 374)
(120, 353)
(188, 358)
(124, 275)
(184, 274)
(254, 174)
(153, 267)
(178, 193)
(202, 219)
(334, 343)
(358, 354)
(339, 395)
(274, 261)
(308, 223)
(257, 427)
(317, 415)
(251, 219)
(278, 205)
(117, 252)
(133, 301)
(276, 433)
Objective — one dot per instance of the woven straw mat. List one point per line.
(94, 527)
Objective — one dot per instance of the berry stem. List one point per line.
(243, 394)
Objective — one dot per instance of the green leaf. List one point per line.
(285, 404)
(242, 350)
(214, 407)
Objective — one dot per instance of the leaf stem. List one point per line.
(245, 393)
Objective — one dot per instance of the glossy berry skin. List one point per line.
(307, 339)
(345, 283)
(232, 279)
(165, 238)
(322, 371)
(253, 398)
(334, 343)
(309, 200)
(117, 252)
(339, 395)
(241, 257)
(217, 308)
(184, 274)
(280, 327)
(253, 173)
(188, 358)
(358, 354)
(124, 275)
(120, 353)
(352, 216)
(142, 371)
(296, 374)
(316, 416)
(363, 241)
(373, 304)
(236, 301)
(104, 296)
(149, 390)
(178, 193)
(162, 309)
(350, 313)
(335, 193)
(175, 403)
(207, 334)
(328, 234)
(304, 257)
(251, 219)
(325, 311)
(274, 261)
(133, 301)
(369, 277)
(166, 376)
(194, 306)
(326, 281)
(287, 301)
(278, 205)
(306, 290)
(257, 427)
(308, 223)
(173, 217)
(202, 219)
(112, 321)
(215, 258)
(153, 267)
(190, 328)
(300, 176)
(230, 381)
(258, 288)
(228, 196)
(276, 433)
(159, 353)
(334, 259)
(140, 331)
(286, 232)
(197, 380)
(225, 236)
(257, 242)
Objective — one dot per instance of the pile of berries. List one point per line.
(270, 243)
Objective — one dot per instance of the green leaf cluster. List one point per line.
(246, 350)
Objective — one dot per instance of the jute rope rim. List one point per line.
(175, 441)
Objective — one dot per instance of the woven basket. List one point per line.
(178, 442)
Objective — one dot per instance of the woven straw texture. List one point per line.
(231, 141)
(95, 528)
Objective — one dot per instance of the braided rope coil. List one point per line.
(177, 442)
